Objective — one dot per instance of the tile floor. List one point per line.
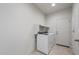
(36, 53)
(57, 50)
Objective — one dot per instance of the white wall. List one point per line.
(75, 20)
(16, 27)
(59, 16)
(75, 28)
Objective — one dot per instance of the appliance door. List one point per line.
(42, 43)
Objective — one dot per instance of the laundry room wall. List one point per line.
(75, 28)
(16, 27)
(55, 19)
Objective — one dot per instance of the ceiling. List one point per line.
(47, 8)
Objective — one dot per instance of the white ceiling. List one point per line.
(47, 8)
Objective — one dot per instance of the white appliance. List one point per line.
(42, 43)
(51, 41)
(45, 42)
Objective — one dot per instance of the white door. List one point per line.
(63, 31)
(42, 43)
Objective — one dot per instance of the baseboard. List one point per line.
(63, 45)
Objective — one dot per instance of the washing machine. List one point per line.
(45, 42)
